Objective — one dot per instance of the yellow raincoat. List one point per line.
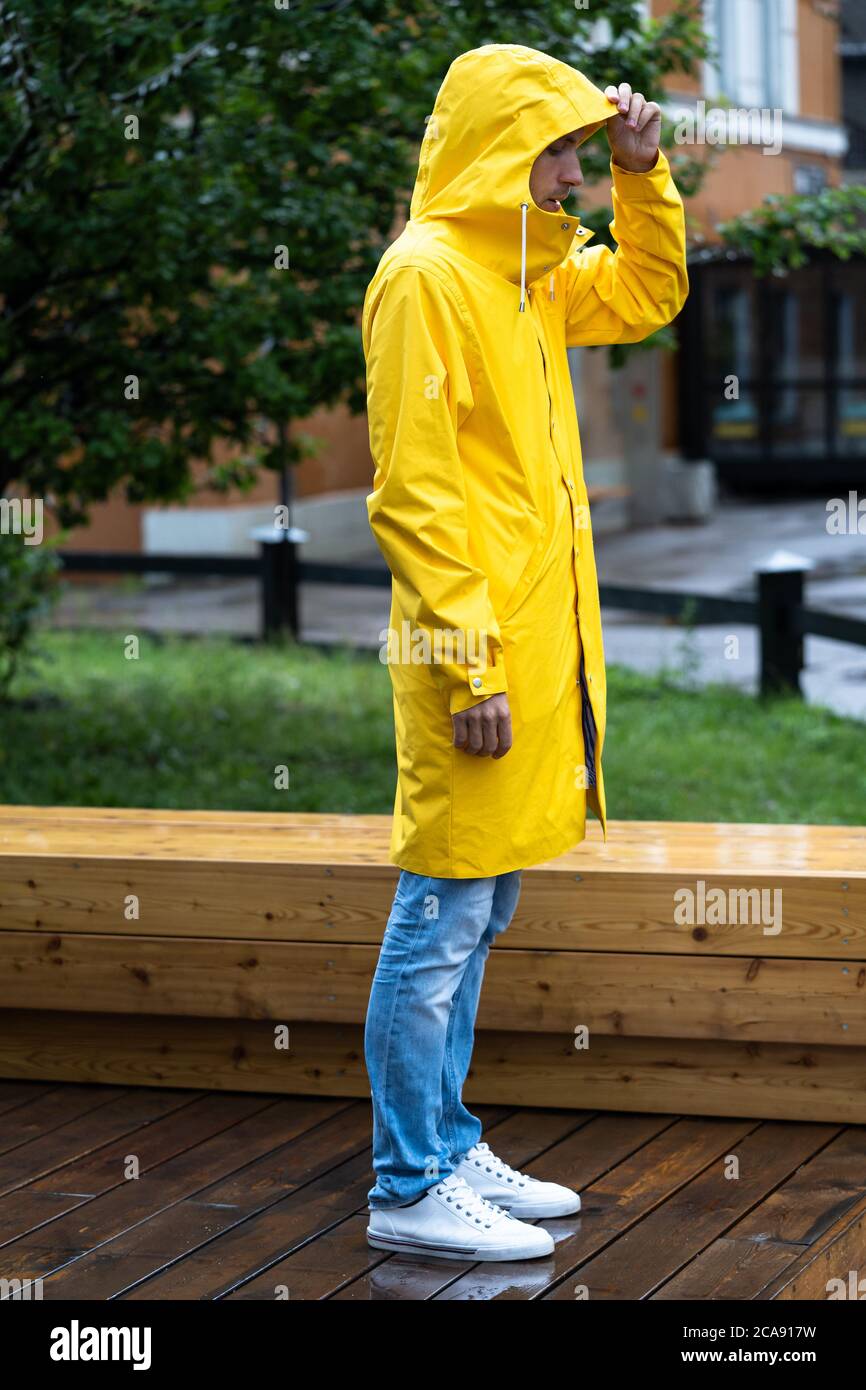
(479, 503)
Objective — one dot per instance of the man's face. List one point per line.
(556, 172)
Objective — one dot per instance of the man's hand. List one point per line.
(485, 728)
(634, 133)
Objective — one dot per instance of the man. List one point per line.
(495, 647)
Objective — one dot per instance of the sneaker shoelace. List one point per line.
(498, 1166)
(466, 1199)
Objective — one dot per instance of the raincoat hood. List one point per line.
(498, 108)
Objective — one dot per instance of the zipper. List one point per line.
(546, 383)
(580, 681)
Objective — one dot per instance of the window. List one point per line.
(851, 340)
(773, 372)
(729, 359)
(757, 63)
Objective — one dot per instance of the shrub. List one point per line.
(28, 587)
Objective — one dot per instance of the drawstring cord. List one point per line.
(551, 291)
(523, 207)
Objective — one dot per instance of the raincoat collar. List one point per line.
(498, 107)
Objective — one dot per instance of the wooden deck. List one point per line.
(260, 1197)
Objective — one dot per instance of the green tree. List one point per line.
(156, 156)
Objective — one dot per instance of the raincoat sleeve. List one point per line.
(418, 394)
(623, 296)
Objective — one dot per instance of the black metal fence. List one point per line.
(777, 611)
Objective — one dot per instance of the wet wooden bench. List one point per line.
(681, 968)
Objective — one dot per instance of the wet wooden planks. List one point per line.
(251, 876)
(142, 1194)
(698, 1076)
(626, 994)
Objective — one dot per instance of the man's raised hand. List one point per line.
(634, 132)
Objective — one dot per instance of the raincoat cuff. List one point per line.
(643, 186)
(480, 684)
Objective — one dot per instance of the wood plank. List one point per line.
(71, 1143)
(213, 1054)
(664, 1241)
(333, 1260)
(52, 1110)
(292, 1221)
(91, 1252)
(685, 847)
(260, 901)
(810, 1229)
(835, 1262)
(781, 1081)
(14, 1094)
(550, 992)
(822, 916)
(60, 1193)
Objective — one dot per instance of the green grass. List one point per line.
(204, 723)
(199, 723)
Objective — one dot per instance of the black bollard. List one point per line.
(780, 594)
(279, 593)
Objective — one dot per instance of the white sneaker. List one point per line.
(520, 1194)
(454, 1222)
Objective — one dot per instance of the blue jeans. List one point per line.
(421, 1026)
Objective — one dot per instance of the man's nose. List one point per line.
(573, 174)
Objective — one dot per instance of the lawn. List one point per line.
(207, 723)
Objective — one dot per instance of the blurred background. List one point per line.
(193, 202)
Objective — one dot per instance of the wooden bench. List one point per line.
(167, 948)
